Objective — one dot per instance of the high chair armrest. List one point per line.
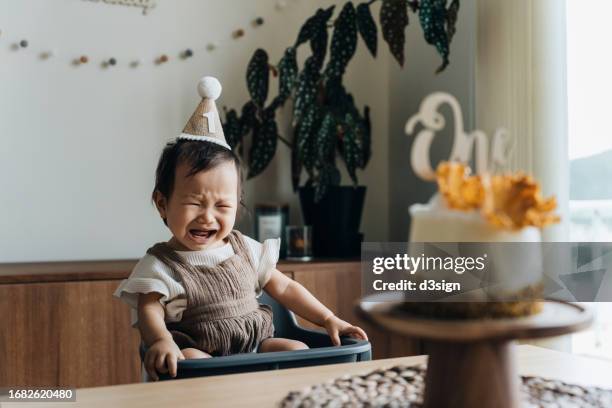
(351, 350)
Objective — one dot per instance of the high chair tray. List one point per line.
(321, 351)
(351, 350)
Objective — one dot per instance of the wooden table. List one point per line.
(479, 354)
(266, 389)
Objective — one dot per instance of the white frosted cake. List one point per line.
(461, 213)
(435, 222)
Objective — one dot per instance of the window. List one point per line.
(590, 145)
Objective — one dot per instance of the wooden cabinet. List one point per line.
(60, 325)
(66, 333)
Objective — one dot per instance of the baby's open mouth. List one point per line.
(202, 233)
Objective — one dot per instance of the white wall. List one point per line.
(79, 145)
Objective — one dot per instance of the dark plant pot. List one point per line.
(335, 220)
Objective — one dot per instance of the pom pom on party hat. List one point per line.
(205, 123)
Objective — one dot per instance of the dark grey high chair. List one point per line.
(321, 351)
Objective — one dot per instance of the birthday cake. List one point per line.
(487, 209)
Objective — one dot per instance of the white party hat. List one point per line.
(205, 123)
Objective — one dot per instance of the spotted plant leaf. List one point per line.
(307, 30)
(334, 91)
(367, 27)
(296, 168)
(351, 152)
(263, 147)
(326, 139)
(305, 135)
(232, 128)
(327, 13)
(247, 118)
(320, 37)
(366, 137)
(451, 19)
(311, 26)
(287, 71)
(276, 103)
(339, 100)
(394, 20)
(329, 175)
(258, 77)
(355, 146)
(318, 44)
(344, 41)
(345, 103)
(432, 15)
(306, 88)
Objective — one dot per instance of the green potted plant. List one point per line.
(326, 122)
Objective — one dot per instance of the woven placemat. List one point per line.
(403, 386)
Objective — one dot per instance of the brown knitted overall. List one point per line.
(223, 316)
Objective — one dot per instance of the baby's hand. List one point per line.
(336, 327)
(162, 357)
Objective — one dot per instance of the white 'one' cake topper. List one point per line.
(463, 142)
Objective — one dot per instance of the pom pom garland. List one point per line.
(110, 62)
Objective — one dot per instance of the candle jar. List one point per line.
(270, 222)
(299, 243)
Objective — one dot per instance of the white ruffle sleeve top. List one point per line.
(151, 275)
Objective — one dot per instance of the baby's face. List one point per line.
(201, 211)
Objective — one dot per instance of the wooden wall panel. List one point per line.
(66, 334)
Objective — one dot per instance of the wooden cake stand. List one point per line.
(471, 362)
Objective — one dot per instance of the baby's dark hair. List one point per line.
(200, 156)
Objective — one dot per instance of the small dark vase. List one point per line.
(335, 220)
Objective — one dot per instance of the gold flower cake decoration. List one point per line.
(514, 201)
(508, 201)
(460, 190)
